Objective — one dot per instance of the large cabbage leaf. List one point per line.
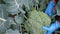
(4, 21)
(10, 31)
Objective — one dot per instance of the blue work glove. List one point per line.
(45, 28)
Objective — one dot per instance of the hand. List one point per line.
(55, 1)
(45, 28)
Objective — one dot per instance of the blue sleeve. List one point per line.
(54, 12)
(50, 8)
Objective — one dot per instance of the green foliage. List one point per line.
(58, 7)
(35, 22)
(10, 31)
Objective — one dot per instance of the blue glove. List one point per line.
(52, 27)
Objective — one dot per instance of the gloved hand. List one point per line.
(45, 28)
